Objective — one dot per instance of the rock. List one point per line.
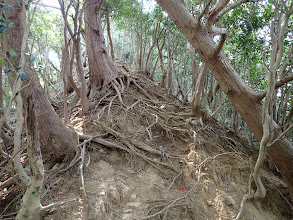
(229, 201)
(133, 197)
(113, 195)
(126, 216)
(124, 191)
(103, 165)
(100, 208)
(133, 204)
(210, 203)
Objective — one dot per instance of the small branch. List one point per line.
(250, 193)
(99, 5)
(281, 135)
(211, 17)
(282, 82)
(204, 11)
(221, 44)
(51, 206)
(54, 67)
(174, 181)
(81, 170)
(231, 7)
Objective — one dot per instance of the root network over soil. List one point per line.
(142, 155)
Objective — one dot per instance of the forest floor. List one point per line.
(148, 158)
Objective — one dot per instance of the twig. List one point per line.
(12, 201)
(81, 170)
(204, 11)
(173, 181)
(281, 194)
(150, 126)
(231, 7)
(280, 136)
(53, 205)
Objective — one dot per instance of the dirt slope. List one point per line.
(153, 159)
(148, 158)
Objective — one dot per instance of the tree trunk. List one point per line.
(65, 64)
(160, 55)
(109, 32)
(31, 206)
(140, 59)
(83, 91)
(55, 138)
(170, 71)
(102, 69)
(1, 86)
(242, 96)
(195, 101)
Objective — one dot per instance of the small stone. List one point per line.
(133, 204)
(124, 191)
(210, 203)
(128, 211)
(229, 201)
(133, 197)
(102, 193)
(126, 216)
(113, 195)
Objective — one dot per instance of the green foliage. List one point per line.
(8, 70)
(22, 76)
(12, 53)
(4, 24)
(7, 7)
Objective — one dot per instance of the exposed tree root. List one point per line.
(136, 117)
(174, 201)
(130, 151)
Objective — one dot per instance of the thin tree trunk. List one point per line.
(195, 101)
(1, 86)
(194, 69)
(76, 39)
(140, 59)
(31, 205)
(170, 71)
(109, 32)
(164, 71)
(65, 62)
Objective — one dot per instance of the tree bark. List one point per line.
(109, 32)
(55, 138)
(31, 204)
(195, 101)
(241, 95)
(102, 69)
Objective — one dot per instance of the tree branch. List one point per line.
(204, 11)
(282, 82)
(211, 17)
(231, 7)
(221, 44)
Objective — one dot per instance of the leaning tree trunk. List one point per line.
(102, 69)
(241, 95)
(55, 138)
